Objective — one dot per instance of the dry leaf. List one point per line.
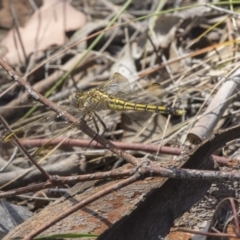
(23, 11)
(45, 28)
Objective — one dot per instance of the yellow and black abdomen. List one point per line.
(121, 105)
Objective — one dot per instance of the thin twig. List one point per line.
(151, 148)
(25, 151)
(113, 174)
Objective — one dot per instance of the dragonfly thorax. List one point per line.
(93, 100)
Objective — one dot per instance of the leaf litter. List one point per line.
(190, 52)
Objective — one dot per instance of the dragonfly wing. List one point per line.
(118, 85)
(44, 125)
(65, 131)
(153, 91)
(34, 125)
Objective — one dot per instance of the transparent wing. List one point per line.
(45, 125)
(36, 125)
(66, 130)
(139, 95)
(41, 129)
(153, 90)
(118, 85)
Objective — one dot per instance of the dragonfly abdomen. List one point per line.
(121, 105)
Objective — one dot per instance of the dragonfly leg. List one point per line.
(94, 115)
(95, 123)
(101, 121)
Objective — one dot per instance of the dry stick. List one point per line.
(68, 117)
(204, 126)
(25, 151)
(151, 148)
(148, 171)
(117, 173)
(65, 167)
(226, 11)
(182, 173)
(83, 203)
(152, 170)
(74, 142)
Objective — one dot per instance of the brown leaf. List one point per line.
(23, 10)
(46, 27)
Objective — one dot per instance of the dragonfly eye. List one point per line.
(75, 99)
(72, 99)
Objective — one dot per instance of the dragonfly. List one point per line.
(116, 95)
(112, 96)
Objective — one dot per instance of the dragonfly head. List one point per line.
(82, 100)
(75, 99)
